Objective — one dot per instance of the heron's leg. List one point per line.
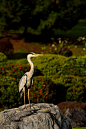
(29, 98)
(24, 95)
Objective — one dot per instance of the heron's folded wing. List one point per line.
(32, 81)
(22, 82)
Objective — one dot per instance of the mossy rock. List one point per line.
(3, 57)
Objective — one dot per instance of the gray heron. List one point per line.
(27, 79)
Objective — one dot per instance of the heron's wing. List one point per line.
(22, 82)
(32, 81)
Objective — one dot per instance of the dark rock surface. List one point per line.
(77, 117)
(40, 116)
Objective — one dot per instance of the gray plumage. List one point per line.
(27, 79)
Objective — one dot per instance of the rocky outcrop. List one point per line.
(77, 117)
(39, 116)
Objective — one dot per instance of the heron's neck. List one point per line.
(32, 67)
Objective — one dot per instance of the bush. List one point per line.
(60, 49)
(45, 90)
(9, 96)
(75, 87)
(42, 90)
(3, 57)
(49, 64)
(6, 47)
(75, 66)
(10, 75)
(65, 51)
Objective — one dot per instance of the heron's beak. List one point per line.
(39, 55)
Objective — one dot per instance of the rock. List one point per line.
(40, 116)
(72, 105)
(76, 116)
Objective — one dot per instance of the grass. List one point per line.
(22, 48)
(75, 32)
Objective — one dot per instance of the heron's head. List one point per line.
(32, 54)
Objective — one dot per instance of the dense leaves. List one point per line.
(3, 57)
(41, 91)
(59, 78)
(75, 87)
(75, 66)
(39, 17)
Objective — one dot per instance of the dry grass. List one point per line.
(24, 47)
(20, 46)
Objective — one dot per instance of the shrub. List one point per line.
(49, 64)
(10, 75)
(9, 96)
(41, 91)
(17, 71)
(6, 47)
(75, 66)
(60, 49)
(75, 87)
(45, 90)
(3, 57)
(65, 51)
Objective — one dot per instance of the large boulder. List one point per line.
(76, 116)
(39, 116)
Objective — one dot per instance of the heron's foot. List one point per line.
(29, 106)
(24, 105)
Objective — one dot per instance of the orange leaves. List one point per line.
(40, 92)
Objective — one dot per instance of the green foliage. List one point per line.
(6, 47)
(3, 57)
(10, 75)
(75, 66)
(46, 14)
(68, 13)
(9, 96)
(60, 49)
(49, 64)
(17, 71)
(42, 90)
(79, 128)
(75, 87)
(55, 77)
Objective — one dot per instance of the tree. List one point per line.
(39, 16)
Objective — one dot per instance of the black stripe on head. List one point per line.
(32, 53)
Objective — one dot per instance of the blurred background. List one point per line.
(56, 28)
